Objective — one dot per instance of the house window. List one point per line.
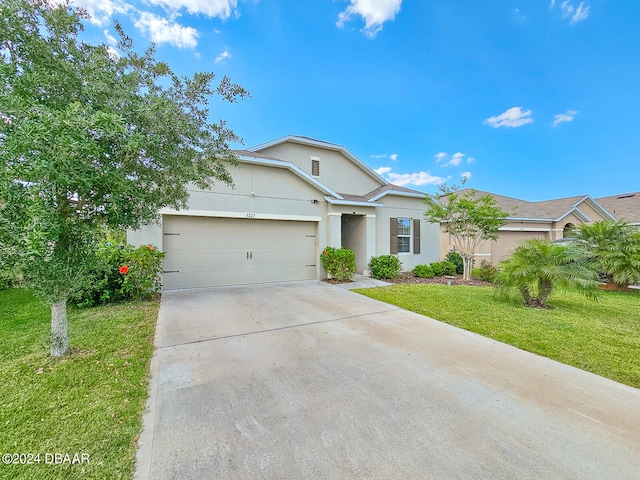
(404, 235)
(401, 232)
(315, 167)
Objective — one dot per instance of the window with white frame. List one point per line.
(404, 235)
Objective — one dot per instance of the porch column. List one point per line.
(370, 228)
(334, 233)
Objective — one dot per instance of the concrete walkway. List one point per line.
(308, 380)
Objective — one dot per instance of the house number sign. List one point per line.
(251, 215)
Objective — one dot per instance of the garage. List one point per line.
(213, 251)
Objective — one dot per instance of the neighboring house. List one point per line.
(546, 220)
(625, 207)
(292, 197)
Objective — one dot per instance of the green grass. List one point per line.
(89, 401)
(600, 337)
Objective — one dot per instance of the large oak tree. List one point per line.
(89, 138)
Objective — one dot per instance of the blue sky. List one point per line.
(535, 99)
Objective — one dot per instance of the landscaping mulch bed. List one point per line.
(408, 277)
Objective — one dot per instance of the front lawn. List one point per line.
(88, 402)
(602, 337)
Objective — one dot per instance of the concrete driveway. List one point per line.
(308, 380)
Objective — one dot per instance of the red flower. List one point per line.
(325, 253)
(124, 269)
(149, 247)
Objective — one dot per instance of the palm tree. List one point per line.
(536, 267)
(615, 250)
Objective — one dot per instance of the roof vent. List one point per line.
(626, 196)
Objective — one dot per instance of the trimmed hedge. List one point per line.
(385, 266)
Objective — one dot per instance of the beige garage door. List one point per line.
(205, 252)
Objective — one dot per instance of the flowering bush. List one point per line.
(340, 263)
(123, 273)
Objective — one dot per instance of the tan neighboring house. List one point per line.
(546, 220)
(292, 197)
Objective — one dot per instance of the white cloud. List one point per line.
(101, 11)
(564, 117)
(162, 31)
(466, 175)
(373, 12)
(211, 8)
(552, 4)
(223, 56)
(513, 117)
(393, 156)
(402, 179)
(111, 40)
(440, 156)
(453, 161)
(574, 14)
(456, 158)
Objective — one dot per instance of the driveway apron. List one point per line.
(306, 380)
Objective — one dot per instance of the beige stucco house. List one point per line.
(546, 220)
(292, 197)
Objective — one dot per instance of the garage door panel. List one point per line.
(203, 251)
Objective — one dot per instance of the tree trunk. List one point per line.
(467, 262)
(59, 335)
(544, 290)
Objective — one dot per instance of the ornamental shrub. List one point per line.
(123, 272)
(423, 271)
(385, 266)
(443, 268)
(487, 272)
(456, 259)
(340, 263)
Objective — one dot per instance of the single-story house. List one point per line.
(546, 220)
(292, 197)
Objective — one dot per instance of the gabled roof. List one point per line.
(370, 199)
(625, 206)
(312, 142)
(547, 210)
(257, 159)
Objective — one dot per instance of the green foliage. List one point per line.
(614, 248)
(487, 272)
(89, 401)
(140, 280)
(385, 266)
(536, 267)
(443, 268)
(457, 260)
(340, 263)
(423, 271)
(470, 219)
(89, 139)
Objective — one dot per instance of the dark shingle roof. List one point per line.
(624, 206)
(547, 209)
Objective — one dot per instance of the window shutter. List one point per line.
(416, 235)
(393, 236)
